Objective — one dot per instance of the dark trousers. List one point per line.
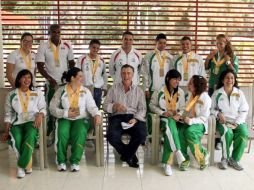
(115, 131)
(97, 93)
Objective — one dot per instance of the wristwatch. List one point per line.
(228, 63)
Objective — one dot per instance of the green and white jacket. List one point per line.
(59, 105)
(13, 109)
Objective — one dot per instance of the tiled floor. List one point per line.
(116, 175)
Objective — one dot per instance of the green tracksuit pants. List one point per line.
(190, 136)
(171, 139)
(23, 139)
(239, 135)
(71, 132)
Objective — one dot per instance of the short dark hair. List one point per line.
(173, 73)
(161, 36)
(53, 27)
(94, 41)
(20, 75)
(186, 38)
(26, 34)
(127, 66)
(199, 83)
(73, 72)
(127, 32)
(222, 77)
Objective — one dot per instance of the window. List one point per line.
(106, 20)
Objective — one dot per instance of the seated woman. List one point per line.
(230, 108)
(166, 103)
(195, 118)
(71, 105)
(24, 109)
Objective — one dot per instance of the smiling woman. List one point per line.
(71, 105)
(24, 109)
(230, 107)
(22, 58)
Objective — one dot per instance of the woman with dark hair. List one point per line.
(230, 108)
(167, 103)
(71, 105)
(22, 58)
(24, 109)
(195, 118)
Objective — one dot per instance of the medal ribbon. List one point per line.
(161, 61)
(170, 100)
(55, 50)
(27, 59)
(24, 102)
(73, 96)
(191, 103)
(185, 60)
(94, 65)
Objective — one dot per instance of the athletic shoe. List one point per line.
(184, 166)
(179, 156)
(21, 173)
(167, 170)
(235, 164)
(223, 164)
(29, 171)
(61, 167)
(74, 167)
(205, 163)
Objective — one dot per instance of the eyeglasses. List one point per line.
(27, 42)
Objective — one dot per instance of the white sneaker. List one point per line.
(74, 167)
(61, 167)
(179, 156)
(20, 173)
(168, 170)
(29, 171)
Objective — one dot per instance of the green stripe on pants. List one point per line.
(171, 139)
(190, 136)
(239, 135)
(23, 139)
(71, 132)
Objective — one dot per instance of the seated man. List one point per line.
(127, 107)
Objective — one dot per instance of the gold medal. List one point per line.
(185, 76)
(161, 60)
(57, 63)
(95, 65)
(24, 102)
(26, 116)
(161, 72)
(216, 70)
(55, 50)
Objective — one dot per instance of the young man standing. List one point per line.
(125, 55)
(94, 69)
(156, 65)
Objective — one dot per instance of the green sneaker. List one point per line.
(184, 166)
(205, 163)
